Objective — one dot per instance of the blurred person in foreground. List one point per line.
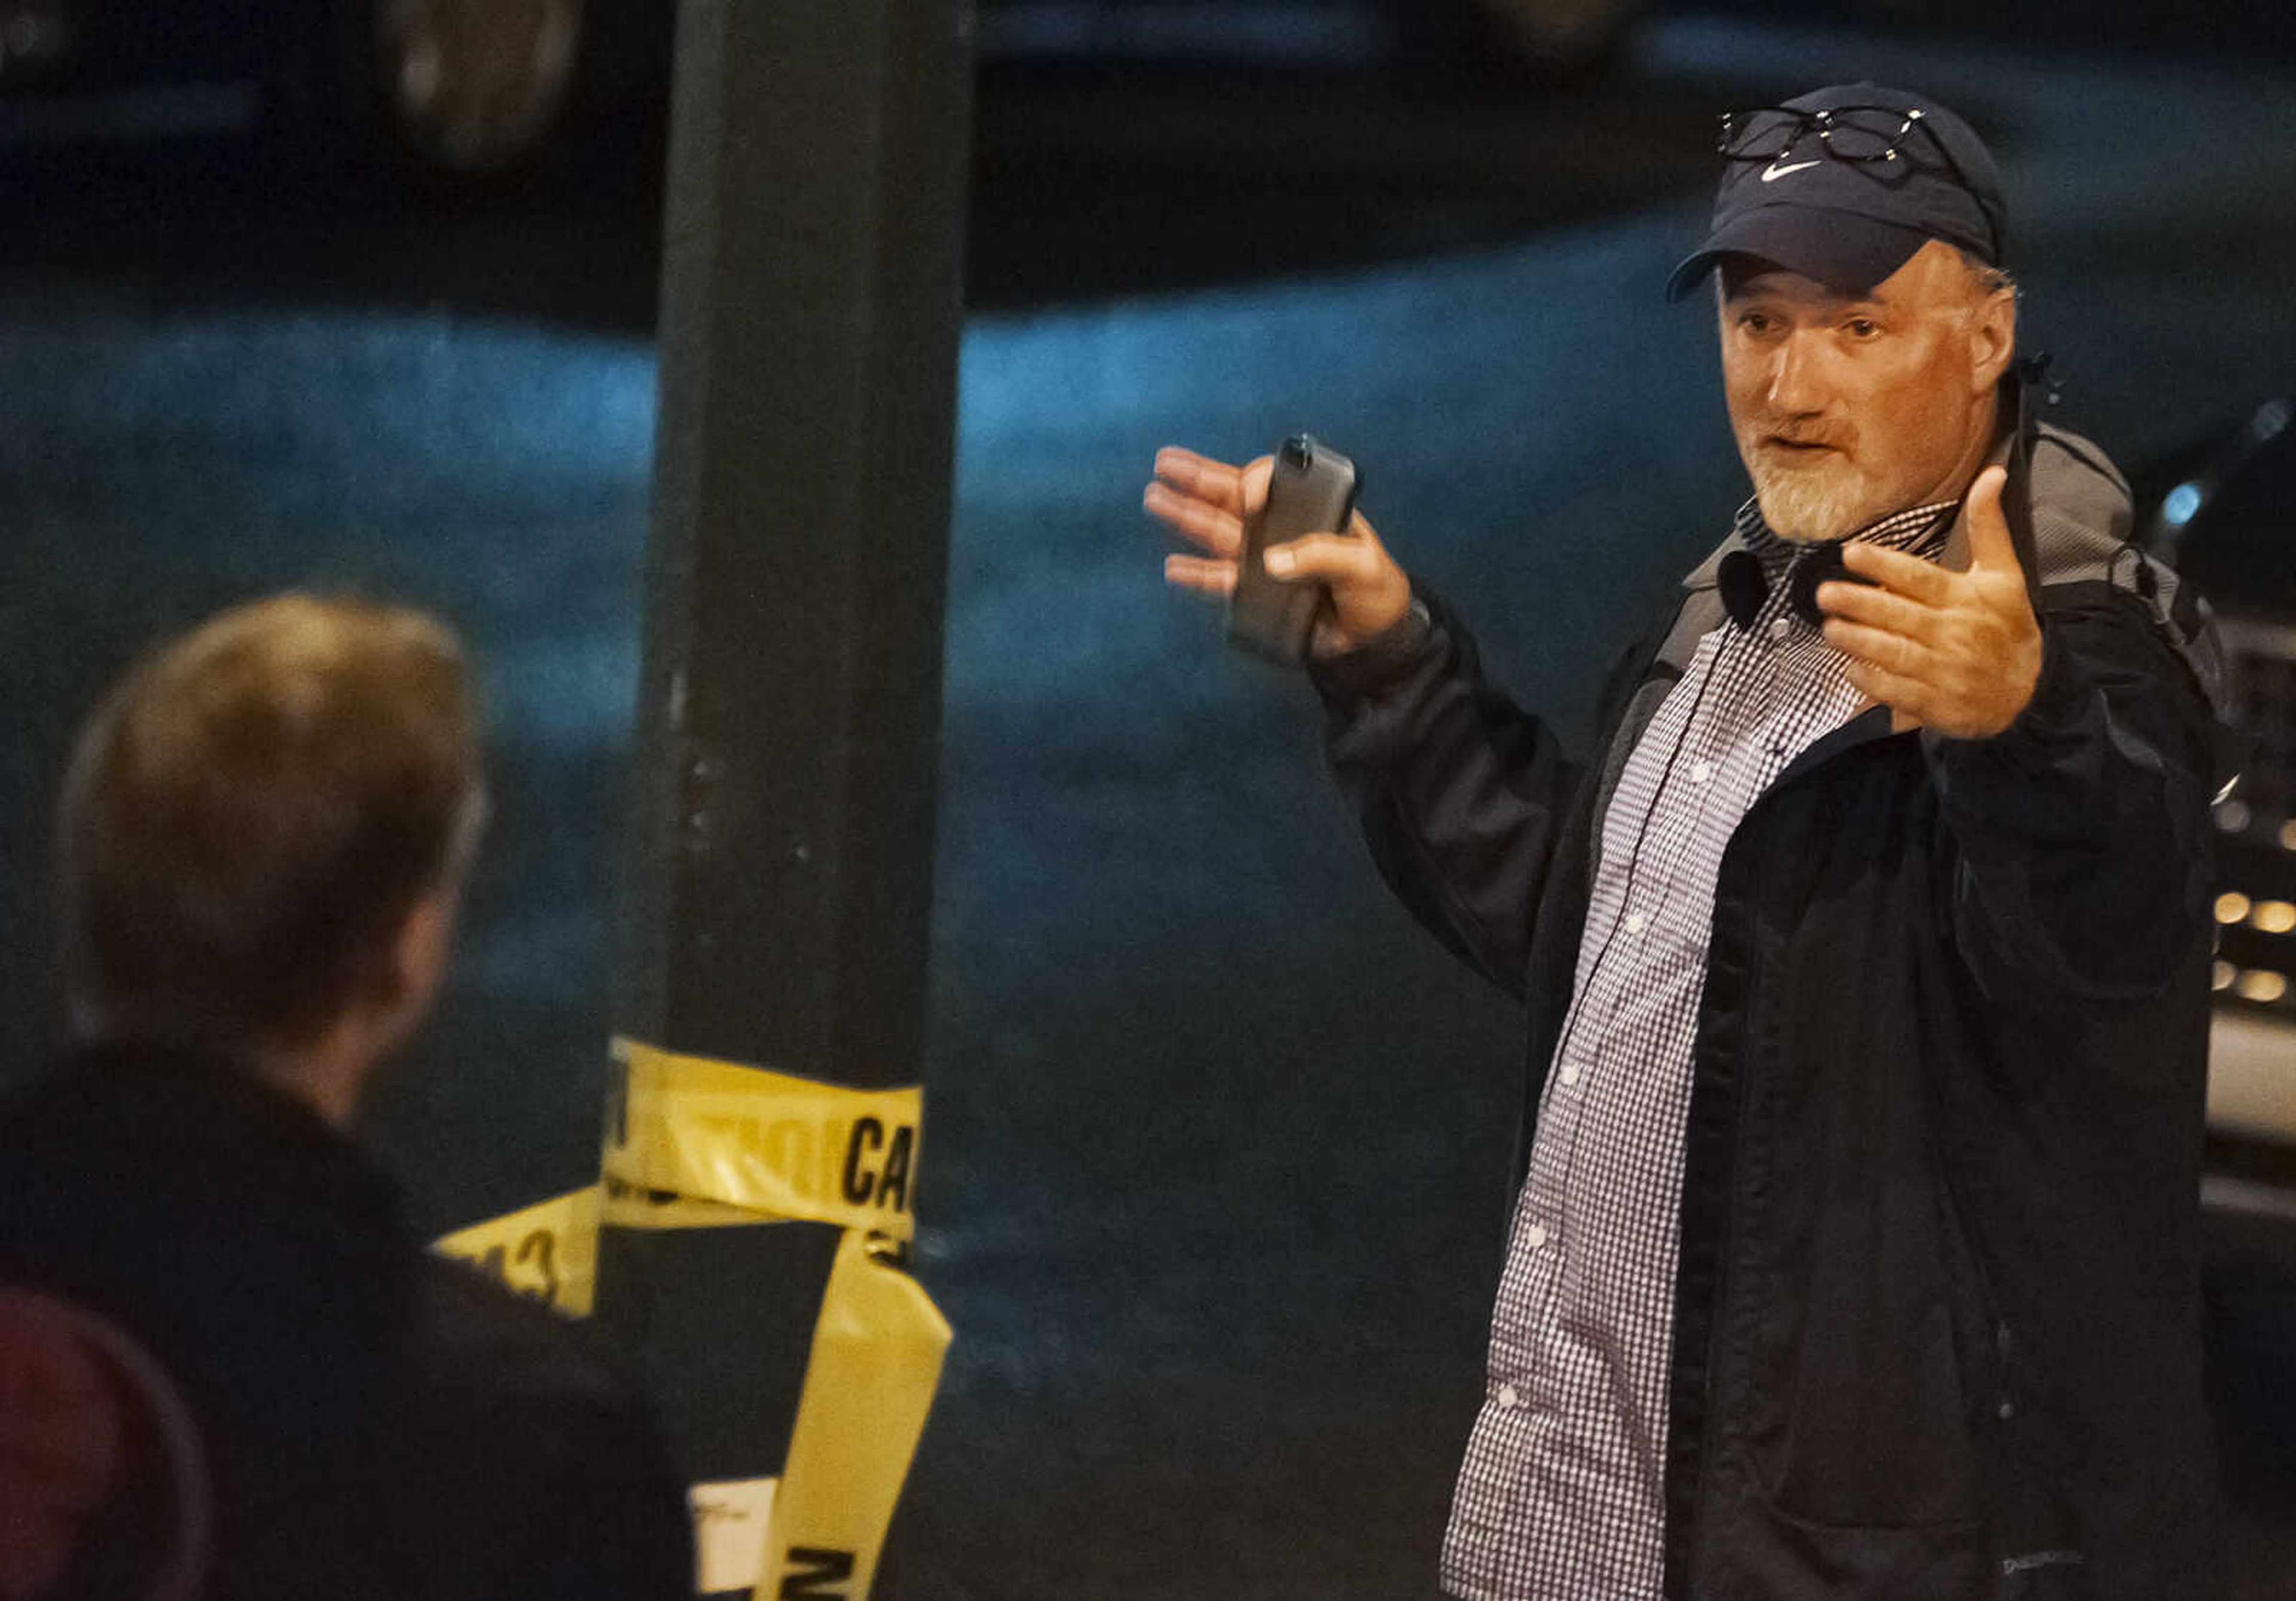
(229, 1370)
(1866, 961)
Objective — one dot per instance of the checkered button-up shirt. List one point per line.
(1561, 1495)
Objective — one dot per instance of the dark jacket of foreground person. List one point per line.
(379, 1423)
(1937, 1329)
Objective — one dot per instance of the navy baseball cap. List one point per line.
(1844, 184)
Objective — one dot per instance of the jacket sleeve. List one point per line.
(1462, 796)
(536, 1468)
(2082, 873)
(622, 1531)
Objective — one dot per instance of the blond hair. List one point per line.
(253, 809)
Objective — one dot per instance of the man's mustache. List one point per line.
(1834, 438)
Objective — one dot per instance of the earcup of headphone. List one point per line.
(1819, 564)
(1744, 586)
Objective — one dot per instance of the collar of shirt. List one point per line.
(1918, 531)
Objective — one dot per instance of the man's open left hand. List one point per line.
(1955, 652)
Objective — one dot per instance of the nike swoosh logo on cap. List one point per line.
(1774, 172)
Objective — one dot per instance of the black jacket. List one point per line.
(1937, 1311)
(378, 1423)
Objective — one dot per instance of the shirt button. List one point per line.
(1634, 923)
(1700, 772)
(1780, 627)
(1508, 1398)
(1569, 1074)
(1538, 1237)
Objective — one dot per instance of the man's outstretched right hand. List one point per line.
(1205, 501)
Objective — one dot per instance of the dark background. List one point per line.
(1216, 1170)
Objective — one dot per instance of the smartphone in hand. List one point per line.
(1312, 490)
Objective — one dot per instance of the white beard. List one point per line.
(1813, 503)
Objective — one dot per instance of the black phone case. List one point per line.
(1312, 490)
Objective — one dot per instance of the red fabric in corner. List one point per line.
(63, 1424)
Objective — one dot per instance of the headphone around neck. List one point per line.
(1745, 588)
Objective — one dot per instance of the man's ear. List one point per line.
(416, 958)
(1992, 340)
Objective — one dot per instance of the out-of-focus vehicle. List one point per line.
(458, 91)
(484, 92)
(1535, 37)
(2125, 25)
(2220, 512)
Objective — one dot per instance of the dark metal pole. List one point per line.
(779, 865)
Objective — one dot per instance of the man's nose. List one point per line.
(1794, 385)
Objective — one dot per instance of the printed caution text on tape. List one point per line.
(705, 1130)
(869, 1383)
(692, 1142)
(548, 1252)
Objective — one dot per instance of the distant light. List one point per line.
(2274, 916)
(2288, 834)
(2232, 906)
(2257, 984)
(2222, 974)
(2232, 816)
(2177, 507)
(2270, 421)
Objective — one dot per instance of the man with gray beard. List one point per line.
(1855, 1252)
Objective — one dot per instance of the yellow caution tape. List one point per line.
(766, 1142)
(876, 1361)
(692, 1142)
(548, 1252)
